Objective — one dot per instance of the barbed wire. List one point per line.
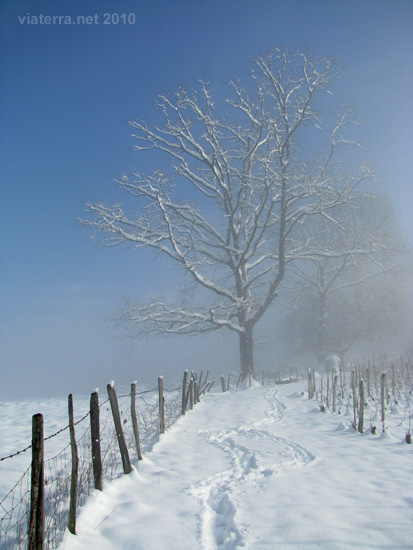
(45, 439)
(17, 453)
(15, 506)
(76, 423)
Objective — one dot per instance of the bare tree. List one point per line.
(352, 290)
(241, 180)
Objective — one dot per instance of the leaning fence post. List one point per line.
(95, 436)
(135, 421)
(75, 464)
(37, 514)
(161, 406)
(187, 395)
(191, 393)
(127, 468)
(184, 392)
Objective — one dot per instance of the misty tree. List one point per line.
(371, 311)
(353, 290)
(236, 180)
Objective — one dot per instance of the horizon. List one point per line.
(68, 93)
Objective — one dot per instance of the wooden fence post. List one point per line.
(196, 392)
(328, 390)
(334, 392)
(368, 380)
(205, 385)
(184, 383)
(75, 465)
(191, 393)
(310, 385)
(127, 468)
(210, 386)
(37, 514)
(223, 384)
(354, 390)
(361, 406)
(188, 391)
(135, 420)
(161, 406)
(95, 436)
(375, 376)
(383, 403)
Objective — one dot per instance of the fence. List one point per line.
(379, 385)
(115, 433)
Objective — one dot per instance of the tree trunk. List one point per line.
(246, 348)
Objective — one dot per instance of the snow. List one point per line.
(258, 469)
(16, 432)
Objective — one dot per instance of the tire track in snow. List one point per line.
(220, 527)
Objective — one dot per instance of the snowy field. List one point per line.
(15, 435)
(16, 432)
(16, 429)
(259, 469)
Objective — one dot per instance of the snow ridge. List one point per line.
(254, 453)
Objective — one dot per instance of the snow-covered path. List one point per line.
(258, 469)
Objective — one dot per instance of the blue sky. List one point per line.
(67, 93)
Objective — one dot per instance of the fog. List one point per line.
(66, 99)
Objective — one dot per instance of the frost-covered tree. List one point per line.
(243, 175)
(353, 290)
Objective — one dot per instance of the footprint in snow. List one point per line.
(218, 493)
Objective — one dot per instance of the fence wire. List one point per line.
(15, 506)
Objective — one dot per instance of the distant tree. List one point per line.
(243, 177)
(368, 312)
(353, 291)
(360, 314)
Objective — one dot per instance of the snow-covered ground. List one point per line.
(260, 469)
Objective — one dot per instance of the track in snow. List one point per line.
(255, 453)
